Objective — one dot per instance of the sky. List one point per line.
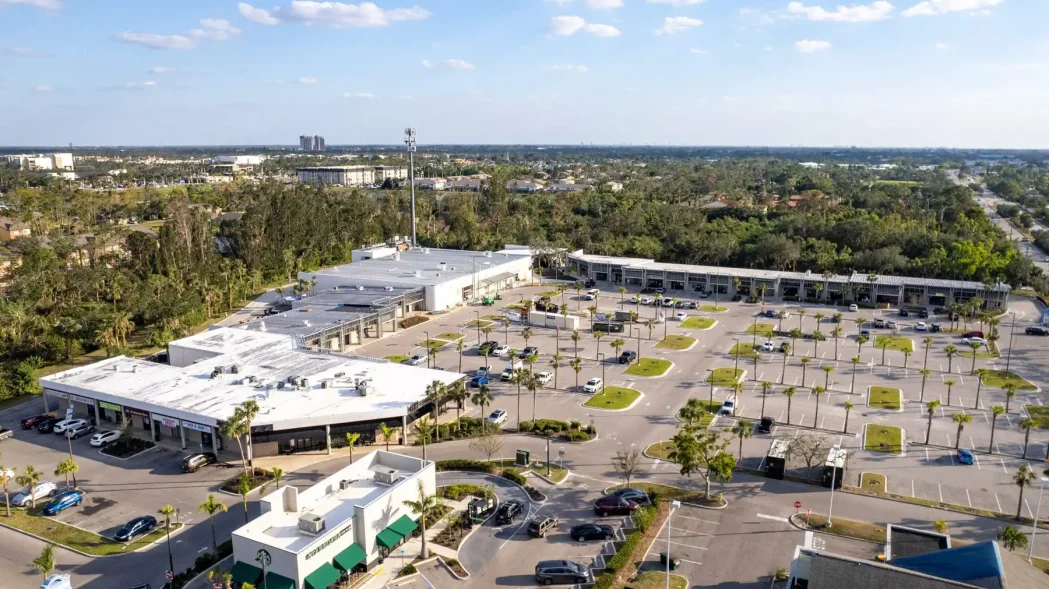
(907, 73)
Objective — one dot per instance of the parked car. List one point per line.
(135, 527)
(771, 313)
(104, 437)
(529, 351)
(892, 324)
(612, 505)
(544, 377)
(483, 371)
(415, 360)
(479, 380)
(646, 300)
(541, 525)
(965, 456)
(879, 323)
(728, 407)
(681, 316)
(39, 491)
(590, 297)
(935, 328)
(487, 348)
(593, 291)
(783, 347)
(920, 326)
(197, 461)
(508, 511)
(62, 426)
(507, 374)
(865, 333)
(767, 425)
(6, 433)
(974, 340)
(667, 302)
(47, 426)
(57, 582)
(584, 532)
(627, 357)
(923, 314)
(854, 307)
(63, 501)
(704, 295)
(562, 572)
(81, 429)
(500, 349)
(978, 334)
(905, 313)
(768, 347)
(632, 494)
(592, 386)
(31, 422)
(1036, 330)
(498, 416)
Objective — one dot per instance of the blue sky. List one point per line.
(966, 73)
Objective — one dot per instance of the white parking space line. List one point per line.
(998, 502)
(941, 491)
(774, 518)
(683, 544)
(968, 498)
(1005, 470)
(706, 521)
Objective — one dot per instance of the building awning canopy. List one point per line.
(404, 526)
(349, 558)
(275, 581)
(388, 538)
(322, 578)
(245, 573)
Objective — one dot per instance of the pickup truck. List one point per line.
(6, 433)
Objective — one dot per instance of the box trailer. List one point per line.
(776, 460)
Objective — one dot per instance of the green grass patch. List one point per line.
(449, 336)
(613, 398)
(495, 318)
(894, 342)
(557, 473)
(649, 367)
(883, 438)
(985, 355)
(550, 293)
(1000, 378)
(435, 344)
(884, 398)
(763, 329)
(667, 493)
(34, 522)
(1040, 415)
(724, 377)
(515, 306)
(711, 409)
(482, 324)
(397, 358)
(712, 309)
(658, 580)
(698, 323)
(1041, 564)
(872, 481)
(660, 450)
(676, 342)
(851, 528)
(745, 351)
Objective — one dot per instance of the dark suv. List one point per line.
(627, 357)
(47, 425)
(508, 511)
(195, 462)
(1036, 330)
(562, 572)
(541, 525)
(767, 425)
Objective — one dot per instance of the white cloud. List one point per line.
(559, 2)
(566, 26)
(677, 24)
(427, 63)
(307, 80)
(768, 48)
(140, 85)
(161, 70)
(604, 4)
(158, 41)
(807, 46)
(256, 15)
(568, 68)
(45, 4)
(942, 46)
(347, 16)
(459, 64)
(934, 7)
(216, 29)
(43, 88)
(358, 95)
(879, 10)
(407, 98)
(700, 51)
(677, 3)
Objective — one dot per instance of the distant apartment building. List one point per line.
(391, 172)
(30, 163)
(11, 229)
(231, 164)
(311, 143)
(524, 186)
(431, 183)
(350, 175)
(62, 161)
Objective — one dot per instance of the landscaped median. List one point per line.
(698, 323)
(872, 481)
(397, 358)
(613, 399)
(1040, 415)
(658, 580)
(1000, 378)
(33, 521)
(724, 377)
(762, 329)
(712, 309)
(878, 437)
(843, 527)
(894, 342)
(650, 367)
(749, 351)
(676, 342)
(661, 493)
(884, 398)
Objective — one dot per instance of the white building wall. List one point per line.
(284, 563)
(382, 512)
(180, 357)
(62, 161)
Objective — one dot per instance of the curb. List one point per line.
(808, 528)
(725, 506)
(884, 476)
(63, 546)
(665, 372)
(568, 473)
(485, 474)
(451, 570)
(903, 440)
(154, 447)
(640, 396)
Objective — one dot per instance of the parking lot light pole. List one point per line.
(1012, 331)
(711, 377)
(735, 367)
(1037, 510)
(478, 313)
(755, 330)
(426, 344)
(70, 440)
(833, 475)
(638, 330)
(601, 358)
(548, 473)
(670, 516)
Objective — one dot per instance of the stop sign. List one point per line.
(797, 504)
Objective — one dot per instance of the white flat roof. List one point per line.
(402, 272)
(231, 341)
(192, 393)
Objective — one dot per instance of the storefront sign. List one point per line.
(329, 541)
(80, 399)
(110, 406)
(56, 394)
(196, 427)
(138, 412)
(166, 421)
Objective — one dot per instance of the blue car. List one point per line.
(965, 456)
(139, 525)
(63, 501)
(478, 381)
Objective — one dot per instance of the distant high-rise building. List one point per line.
(311, 143)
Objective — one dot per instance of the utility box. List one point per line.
(524, 458)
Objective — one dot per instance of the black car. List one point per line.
(487, 347)
(783, 347)
(589, 283)
(508, 511)
(766, 425)
(627, 357)
(923, 314)
(47, 426)
(592, 532)
(139, 525)
(935, 328)
(905, 313)
(195, 462)
(562, 572)
(31, 422)
(1036, 330)
(541, 525)
(529, 351)
(612, 505)
(631, 494)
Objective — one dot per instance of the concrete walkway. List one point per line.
(411, 550)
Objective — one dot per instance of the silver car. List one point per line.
(41, 491)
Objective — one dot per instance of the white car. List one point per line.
(590, 297)
(592, 386)
(415, 360)
(593, 291)
(105, 437)
(501, 350)
(544, 377)
(768, 347)
(974, 340)
(921, 326)
(728, 407)
(57, 582)
(42, 490)
(892, 325)
(66, 424)
(498, 416)
(681, 316)
(667, 302)
(646, 300)
(854, 307)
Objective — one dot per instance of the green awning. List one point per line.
(388, 538)
(322, 578)
(349, 558)
(403, 526)
(275, 581)
(245, 573)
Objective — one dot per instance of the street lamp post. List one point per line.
(1037, 510)
(711, 378)
(1012, 332)
(638, 330)
(426, 344)
(833, 479)
(670, 516)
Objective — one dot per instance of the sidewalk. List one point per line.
(412, 549)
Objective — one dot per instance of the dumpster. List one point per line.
(524, 458)
(674, 562)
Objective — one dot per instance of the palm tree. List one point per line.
(423, 429)
(884, 346)
(351, 439)
(1027, 423)
(848, 409)
(975, 346)
(786, 352)
(859, 321)
(925, 372)
(30, 478)
(804, 368)
(855, 366)
(387, 433)
(435, 395)
(482, 397)
(45, 563)
(928, 344)
(836, 334)
(979, 387)
(592, 311)
(6, 474)
(459, 345)
(578, 299)
(940, 526)
(789, 392)
(617, 345)
(826, 376)
(961, 419)
(597, 336)
(421, 507)
(949, 383)
(458, 394)
(766, 388)
(622, 296)
(576, 365)
(801, 315)
(859, 343)
(744, 429)
(575, 342)
(1010, 392)
(818, 391)
(210, 506)
(532, 384)
(233, 428)
(1012, 538)
(794, 335)
(1023, 478)
(996, 412)
(278, 475)
(65, 468)
(243, 488)
(527, 334)
(906, 357)
(169, 510)
(930, 408)
(555, 361)
(817, 337)
(950, 350)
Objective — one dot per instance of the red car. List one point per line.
(612, 505)
(978, 334)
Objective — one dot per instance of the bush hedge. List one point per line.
(464, 464)
(578, 435)
(457, 492)
(515, 477)
(544, 425)
(202, 563)
(625, 553)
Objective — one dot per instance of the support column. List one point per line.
(404, 429)
(327, 438)
(47, 406)
(152, 429)
(182, 435)
(214, 441)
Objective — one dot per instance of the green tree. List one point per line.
(7, 474)
(930, 409)
(818, 391)
(482, 397)
(1012, 538)
(422, 506)
(555, 361)
(1010, 392)
(211, 506)
(423, 430)
(575, 342)
(387, 433)
(804, 369)
(855, 360)
(975, 348)
(167, 511)
(577, 366)
(794, 335)
(996, 412)
(766, 388)
(960, 419)
(65, 468)
(786, 353)
(351, 440)
(826, 375)
(949, 384)
(243, 488)
(1026, 424)
(1023, 478)
(30, 478)
(925, 372)
(45, 563)
(789, 393)
(744, 429)
(950, 350)
(693, 449)
(848, 409)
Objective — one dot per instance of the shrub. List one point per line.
(553, 425)
(204, 561)
(623, 555)
(515, 477)
(644, 517)
(527, 426)
(225, 549)
(464, 464)
(415, 320)
(574, 424)
(409, 569)
(578, 435)
(457, 492)
(443, 432)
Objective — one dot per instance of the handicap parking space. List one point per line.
(691, 530)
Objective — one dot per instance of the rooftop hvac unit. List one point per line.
(280, 385)
(360, 287)
(389, 289)
(364, 388)
(220, 369)
(325, 383)
(311, 524)
(387, 477)
(443, 266)
(418, 274)
(304, 383)
(250, 378)
(397, 255)
(234, 369)
(215, 373)
(340, 374)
